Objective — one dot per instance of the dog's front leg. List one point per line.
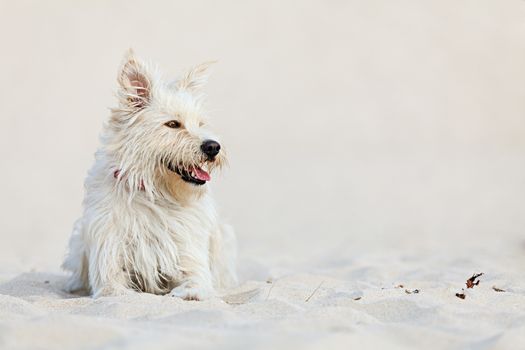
(107, 276)
(197, 279)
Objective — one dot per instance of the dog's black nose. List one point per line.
(210, 148)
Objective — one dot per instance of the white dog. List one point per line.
(149, 223)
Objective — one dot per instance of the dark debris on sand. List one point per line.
(413, 291)
(474, 281)
(461, 295)
(471, 282)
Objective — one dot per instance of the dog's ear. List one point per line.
(194, 78)
(135, 82)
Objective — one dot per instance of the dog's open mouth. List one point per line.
(195, 175)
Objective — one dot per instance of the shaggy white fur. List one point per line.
(149, 223)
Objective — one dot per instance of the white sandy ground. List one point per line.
(372, 144)
(340, 303)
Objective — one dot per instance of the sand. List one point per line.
(369, 302)
(372, 145)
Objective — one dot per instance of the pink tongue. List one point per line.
(201, 174)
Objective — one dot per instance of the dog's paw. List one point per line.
(188, 291)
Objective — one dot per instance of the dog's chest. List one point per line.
(170, 231)
(190, 221)
(168, 234)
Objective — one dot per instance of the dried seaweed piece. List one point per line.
(471, 282)
(358, 298)
(414, 291)
(496, 289)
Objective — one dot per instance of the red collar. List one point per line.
(116, 174)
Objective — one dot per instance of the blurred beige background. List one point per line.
(352, 126)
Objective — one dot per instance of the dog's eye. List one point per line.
(173, 124)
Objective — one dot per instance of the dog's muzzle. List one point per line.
(195, 174)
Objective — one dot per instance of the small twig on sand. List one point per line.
(270, 290)
(496, 289)
(315, 290)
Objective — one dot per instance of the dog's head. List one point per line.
(159, 132)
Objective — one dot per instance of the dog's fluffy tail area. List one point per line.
(76, 262)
